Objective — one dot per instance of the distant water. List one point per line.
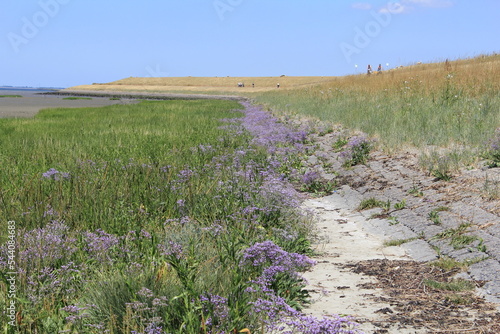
(24, 91)
(42, 89)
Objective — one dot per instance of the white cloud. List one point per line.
(432, 3)
(407, 6)
(361, 6)
(396, 8)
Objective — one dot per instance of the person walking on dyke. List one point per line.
(278, 85)
(369, 70)
(379, 69)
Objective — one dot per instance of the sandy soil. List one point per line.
(382, 287)
(335, 289)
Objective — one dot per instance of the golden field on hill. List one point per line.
(206, 84)
(473, 76)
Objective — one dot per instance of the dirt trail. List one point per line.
(335, 289)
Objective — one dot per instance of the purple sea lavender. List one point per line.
(275, 189)
(269, 132)
(100, 244)
(493, 149)
(172, 249)
(76, 313)
(309, 177)
(281, 318)
(217, 311)
(145, 292)
(54, 174)
(358, 149)
(46, 246)
(268, 254)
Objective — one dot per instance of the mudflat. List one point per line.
(31, 102)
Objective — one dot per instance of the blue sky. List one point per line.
(62, 43)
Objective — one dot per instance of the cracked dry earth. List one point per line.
(384, 288)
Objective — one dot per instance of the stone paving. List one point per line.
(466, 221)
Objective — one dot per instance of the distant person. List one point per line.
(369, 70)
(253, 85)
(379, 69)
(278, 85)
(447, 65)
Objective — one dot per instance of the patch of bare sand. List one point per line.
(382, 287)
(335, 289)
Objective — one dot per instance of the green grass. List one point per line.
(107, 146)
(447, 263)
(434, 217)
(399, 242)
(372, 202)
(458, 237)
(457, 285)
(102, 197)
(10, 96)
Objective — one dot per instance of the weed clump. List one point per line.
(357, 151)
(492, 151)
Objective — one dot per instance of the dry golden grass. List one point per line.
(473, 77)
(437, 104)
(206, 84)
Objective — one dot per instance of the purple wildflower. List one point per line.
(493, 150)
(268, 254)
(309, 178)
(76, 313)
(145, 292)
(54, 174)
(99, 244)
(172, 249)
(47, 245)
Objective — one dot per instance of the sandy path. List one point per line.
(334, 289)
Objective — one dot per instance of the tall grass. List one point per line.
(115, 157)
(160, 217)
(443, 104)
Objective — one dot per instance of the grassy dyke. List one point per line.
(453, 104)
(208, 85)
(160, 217)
